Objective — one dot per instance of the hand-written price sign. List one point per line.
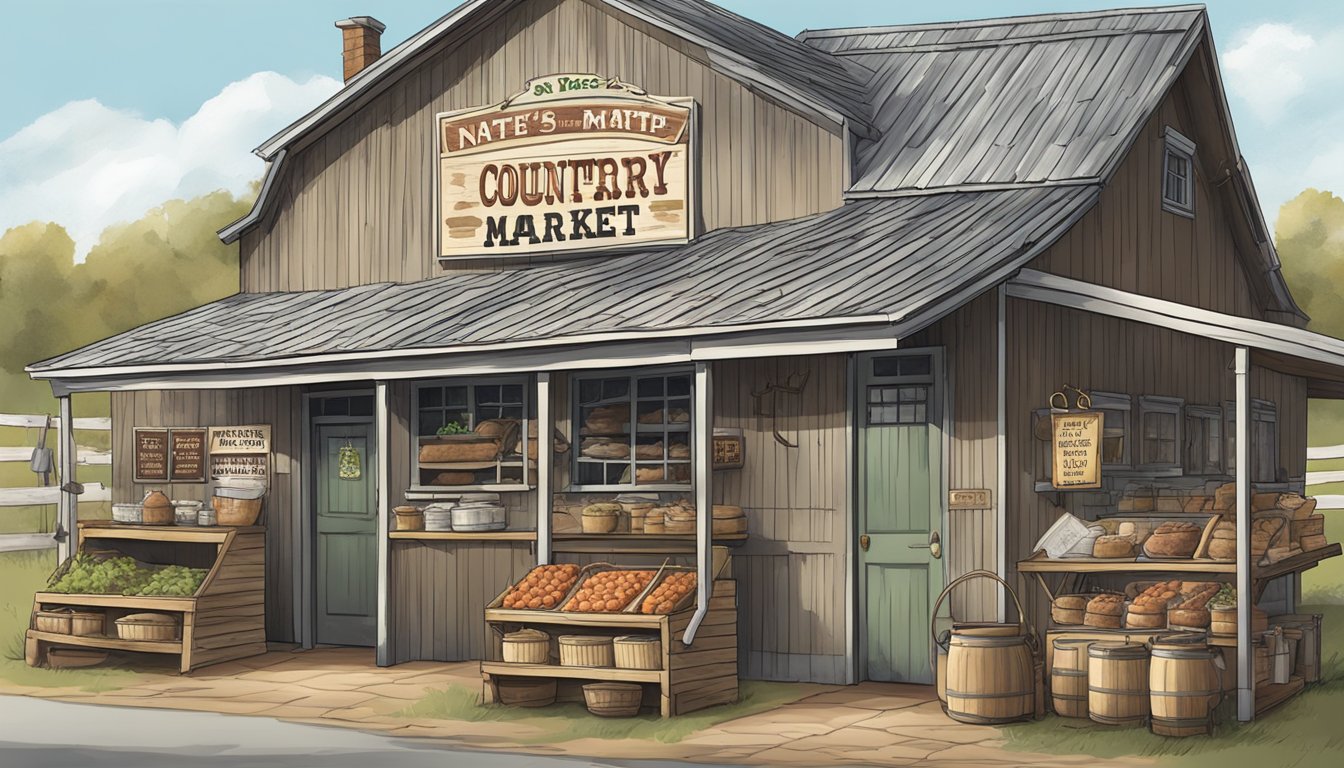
(238, 466)
(245, 439)
(1077, 450)
(727, 453)
(151, 455)
(188, 449)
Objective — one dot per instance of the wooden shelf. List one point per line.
(463, 536)
(108, 643)
(1302, 562)
(1123, 565)
(612, 620)
(573, 673)
(469, 465)
(636, 543)
(217, 534)
(119, 601)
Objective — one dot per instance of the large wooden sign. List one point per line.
(151, 455)
(573, 162)
(244, 439)
(1076, 440)
(188, 455)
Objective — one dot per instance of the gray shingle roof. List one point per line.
(1009, 101)
(886, 258)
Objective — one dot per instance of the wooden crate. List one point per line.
(224, 620)
(691, 677)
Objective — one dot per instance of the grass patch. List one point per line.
(22, 574)
(569, 721)
(1303, 733)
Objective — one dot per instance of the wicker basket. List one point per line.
(613, 699)
(409, 518)
(638, 652)
(74, 658)
(586, 651)
(88, 623)
(147, 626)
(56, 620)
(238, 513)
(526, 691)
(527, 646)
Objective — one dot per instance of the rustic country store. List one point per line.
(795, 321)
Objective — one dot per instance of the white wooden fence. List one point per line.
(37, 495)
(1325, 452)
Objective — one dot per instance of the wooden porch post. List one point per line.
(545, 467)
(1245, 600)
(702, 437)
(67, 510)
(382, 434)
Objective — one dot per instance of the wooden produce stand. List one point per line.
(1072, 572)
(691, 677)
(224, 620)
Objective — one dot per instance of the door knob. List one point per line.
(864, 541)
(935, 545)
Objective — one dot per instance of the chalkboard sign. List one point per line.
(151, 455)
(188, 454)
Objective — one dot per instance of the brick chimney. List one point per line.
(361, 36)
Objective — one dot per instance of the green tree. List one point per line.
(168, 261)
(1310, 240)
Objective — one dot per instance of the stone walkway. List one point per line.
(868, 724)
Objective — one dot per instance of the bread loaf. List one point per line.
(1104, 611)
(1223, 549)
(1113, 546)
(1135, 620)
(1156, 598)
(1069, 609)
(1188, 617)
(1173, 539)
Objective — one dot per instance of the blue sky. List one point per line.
(122, 104)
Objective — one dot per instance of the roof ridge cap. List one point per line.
(809, 34)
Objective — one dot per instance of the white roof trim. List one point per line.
(232, 232)
(1044, 287)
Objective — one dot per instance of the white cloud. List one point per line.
(86, 166)
(1270, 67)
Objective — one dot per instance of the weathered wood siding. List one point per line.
(1128, 242)
(1049, 346)
(355, 206)
(281, 407)
(969, 337)
(792, 572)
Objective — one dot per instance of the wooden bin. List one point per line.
(88, 623)
(1068, 677)
(586, 651)
(638, 652)
(527, 691)
(147, 626)
(991, 677)
(1185, 689)
(527, 646)
(613, 699)
(55, 620)
(1117, 683)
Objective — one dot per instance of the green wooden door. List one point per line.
(900, 481)
(347, 519)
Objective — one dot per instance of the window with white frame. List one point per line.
(1160, 433)
(471, 432)
(633, 431)
(1178, 174)
(1203, 440)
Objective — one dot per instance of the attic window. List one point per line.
(1178, 175)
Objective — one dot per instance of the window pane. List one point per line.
(886, 366)
(679, 386)
(361, 405)
(652, 387)
(431, 397)
(512, 393)
(1113, 449)
(430, 421)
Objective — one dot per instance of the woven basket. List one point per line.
(526, 691)
(238, 513)
(88, 623)
(638, 652)
(147, 626)
(527, 646)
(57, 621)
(586, 651)
(613, 699)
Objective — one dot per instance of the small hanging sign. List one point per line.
(246, 465)
(242, 439)
(1076, 443)
(348, 462)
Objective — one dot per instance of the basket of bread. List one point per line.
(1105, 611)
(1174, 603)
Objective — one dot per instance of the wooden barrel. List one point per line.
(1185, 688)
(990, 677)
(1117, 683)
(940, 647)
(1068, 678)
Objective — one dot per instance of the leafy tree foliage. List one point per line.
(1310, 241)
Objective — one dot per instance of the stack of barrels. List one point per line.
(1175, 685)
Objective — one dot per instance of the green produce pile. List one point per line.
(1226, 597)
(453, 428)
(124, 576)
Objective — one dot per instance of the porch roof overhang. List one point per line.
(1316, 357)
(859, 277)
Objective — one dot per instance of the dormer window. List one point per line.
(1178, 175)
